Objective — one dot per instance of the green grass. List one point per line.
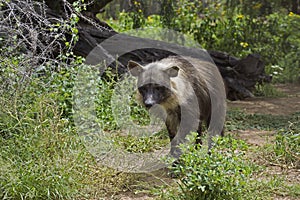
(285, 151)
(42, 156)
(270, 186)
(239, 120)
(136, 144)
(267, 90)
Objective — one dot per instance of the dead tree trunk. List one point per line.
(240, 75)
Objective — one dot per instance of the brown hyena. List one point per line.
(189, 90)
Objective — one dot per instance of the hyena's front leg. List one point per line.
(172, 124)
(188, 122)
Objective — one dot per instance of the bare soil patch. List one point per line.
(255, 137)
(286, 105)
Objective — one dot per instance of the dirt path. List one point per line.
(286, 105)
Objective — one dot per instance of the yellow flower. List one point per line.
(137, 3)
(291, 14)
(244, 44)
(150, 19)
(240, 16)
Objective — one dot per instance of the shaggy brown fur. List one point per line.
(194, 87)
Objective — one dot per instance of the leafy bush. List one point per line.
(221, 174)
(235, 30)
(103, 102)
(107, 84)
(282, 39)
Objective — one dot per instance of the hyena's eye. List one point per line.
(150, 88)
(146, 88)
(142, 90)
(159, 89)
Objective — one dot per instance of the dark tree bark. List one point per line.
(95, 6)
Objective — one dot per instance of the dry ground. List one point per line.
(286, 105)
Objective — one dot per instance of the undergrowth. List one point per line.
(42, 156)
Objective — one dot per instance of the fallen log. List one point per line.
(240, 75)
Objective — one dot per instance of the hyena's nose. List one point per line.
(149, 103)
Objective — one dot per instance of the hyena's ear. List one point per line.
(134, 68)
(172, 71)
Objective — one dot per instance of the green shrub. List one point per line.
(221, 174)
(104, 110)
(235, 30)
(103, 102)
(131, 20)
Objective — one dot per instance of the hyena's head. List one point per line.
(154, 81)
